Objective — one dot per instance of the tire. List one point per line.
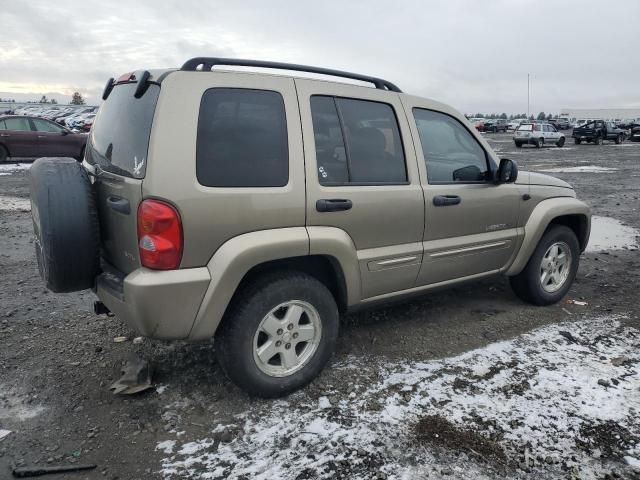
(539, 143)
(560, 142)
(243, 329)
(4, 154)
(597, 140)
(577, 141)
(518, 144)
(619, 139)
(528, 284)
(65, 224)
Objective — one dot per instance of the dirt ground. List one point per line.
(449, 362)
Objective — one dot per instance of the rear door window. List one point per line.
(242, 139)
(44, 126)
(357, 142)
(17, 124)
(119, 139)
(525, 128)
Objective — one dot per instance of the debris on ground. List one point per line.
(4, 434)
(38, 471)
(138, 340)
(136, 377)
(576, 302)
(120, 339)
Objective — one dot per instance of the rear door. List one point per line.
(19, 137)
(362, 179)
(117, 151)
(53, 140)
(471, 223)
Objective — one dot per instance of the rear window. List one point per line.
(120, 136)
(242, 139)
(527, 128)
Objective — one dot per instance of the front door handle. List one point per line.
(333, 205)
(5, 135)
(445, 200)
(119, 204)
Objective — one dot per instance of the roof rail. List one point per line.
(207, 63)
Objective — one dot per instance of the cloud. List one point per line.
(473, 55)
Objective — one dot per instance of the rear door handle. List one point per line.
(119, 204)
(445, 200)
(5, 135)
(333, 205)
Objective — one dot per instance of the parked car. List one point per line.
(560, 123)
(597, 131)
(479, 124)
(22, 136)
(538, 134)
(88, 122)
(634, 136)
(259, 216)
(495, 125)
(515, 123)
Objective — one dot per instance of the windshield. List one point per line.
(120, 136)
(528, 127)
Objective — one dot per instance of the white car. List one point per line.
(515, 123)
(538, 134)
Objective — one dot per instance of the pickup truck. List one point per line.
(597, 131)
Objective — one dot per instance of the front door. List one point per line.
(470, 222)
(362, 179)
(53, 140)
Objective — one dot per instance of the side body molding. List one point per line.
(233, 260)
(538, 222)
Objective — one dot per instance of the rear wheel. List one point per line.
(4, 154)
(577, 141)
(550, 271)
(278, 334)
(619, 139)
(539, 142)
(597, 140)
(518, 144)
(560, 142)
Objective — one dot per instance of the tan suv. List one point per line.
(256, 208)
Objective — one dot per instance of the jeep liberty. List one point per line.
(257, 208)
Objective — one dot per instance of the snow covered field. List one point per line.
(563, 399)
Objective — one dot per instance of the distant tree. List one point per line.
(549, 116)
(479, 115)
(44, 99)
(531, 117)
(541, 116)
(77, 99)
(53, 101)
(503, 116)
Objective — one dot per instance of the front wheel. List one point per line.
(4, 154)
(619, 139)
(597, 140)
(278, 334)
(540, 143)
(560, 142)
(577, 141)
(548, 275)
(518, 144)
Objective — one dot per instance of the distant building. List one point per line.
(615, 114)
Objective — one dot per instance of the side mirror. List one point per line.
(507, 171)
(64, 132)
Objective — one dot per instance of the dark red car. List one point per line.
(22, 136)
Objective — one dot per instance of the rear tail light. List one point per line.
(159, 235)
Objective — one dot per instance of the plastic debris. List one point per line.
(577, 302)
(120, 339)
(136, 377)
(4, 434)
(138, 340)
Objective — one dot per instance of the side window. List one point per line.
(2, 127)
(17, 124)
(242, 139)
(357, 141)
(450, 152)
(44, 126)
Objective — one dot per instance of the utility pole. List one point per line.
(528, 95)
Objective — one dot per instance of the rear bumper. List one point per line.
(157, 304)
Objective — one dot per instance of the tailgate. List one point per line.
(118, 198)
(117, 150)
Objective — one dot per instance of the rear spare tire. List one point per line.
(65, 224)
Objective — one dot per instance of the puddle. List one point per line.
(582, 169)
(610, 234)
(16, 204)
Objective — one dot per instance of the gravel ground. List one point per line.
(463, 383)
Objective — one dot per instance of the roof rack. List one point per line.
(207, 63)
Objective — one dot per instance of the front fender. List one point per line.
(542, 215)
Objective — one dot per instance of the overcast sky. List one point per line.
(474, 55)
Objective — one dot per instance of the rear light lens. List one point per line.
(159, 235)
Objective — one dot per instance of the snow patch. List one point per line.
(167, 446)
(581, 169)
(540, 392)
(18, 204)
(10, 168)
(610, 234)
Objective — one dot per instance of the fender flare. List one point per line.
(540, 219)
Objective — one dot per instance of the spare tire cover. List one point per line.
(65, 224)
